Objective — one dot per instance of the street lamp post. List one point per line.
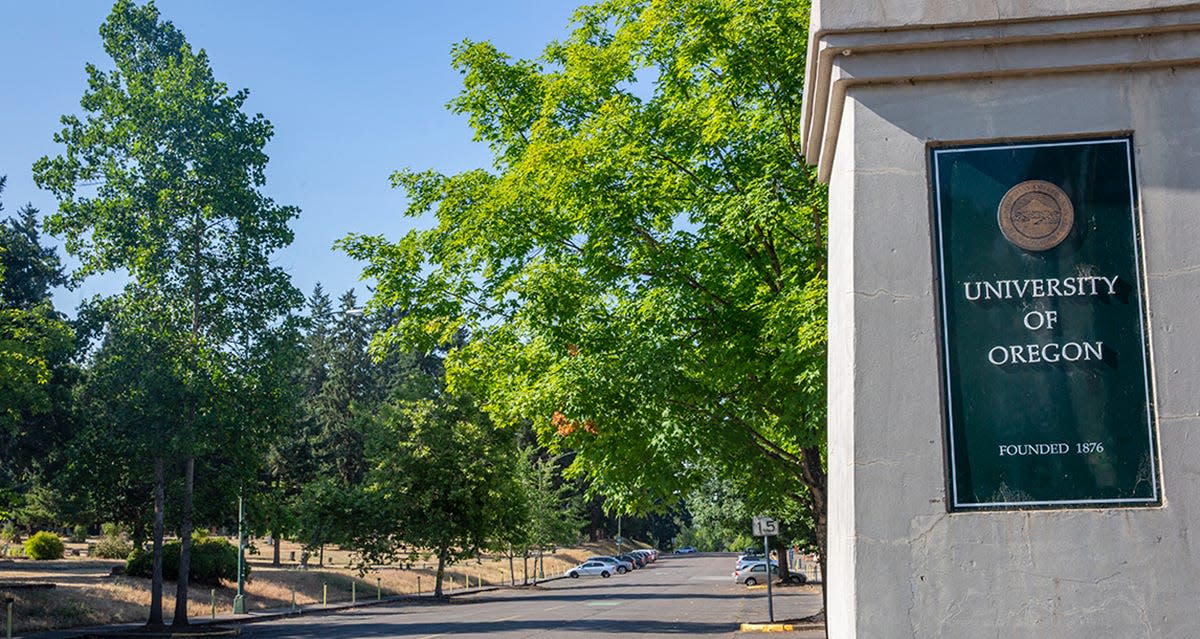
(619, 534)
(239, 600)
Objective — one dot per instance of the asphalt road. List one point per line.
(677, 596)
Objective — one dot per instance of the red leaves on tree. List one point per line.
(564, 426)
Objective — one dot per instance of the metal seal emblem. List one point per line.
(1036, 215)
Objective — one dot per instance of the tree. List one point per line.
(544, 510)
(344, 387)
(127, 414)
(162, 179)
(352, 385)
(440, 480)
(642, 272)
(37, 345)
(291, 462)
(551, 514)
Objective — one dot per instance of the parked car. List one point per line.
(686, 550)
(638, 561)
(619, 566)
(648, 553)
(755, 573)
(745, 560)
(589, 568)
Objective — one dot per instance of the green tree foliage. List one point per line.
(161, 179)
(344, 386)
(642, 271)
(36, 348)
(440, 477)
(353, 384)
(550, 506)
(720, 520)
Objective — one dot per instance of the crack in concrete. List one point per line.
(1162, 275)
(1176, 418)
(883, 292)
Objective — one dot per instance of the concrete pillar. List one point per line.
(889, 81)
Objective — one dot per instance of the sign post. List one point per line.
(767, 528)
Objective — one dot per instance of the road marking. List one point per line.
(554, 607)
(505, 619)
(604, 603)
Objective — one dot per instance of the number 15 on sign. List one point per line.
(765, 527)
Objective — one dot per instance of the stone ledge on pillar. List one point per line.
(908, 53)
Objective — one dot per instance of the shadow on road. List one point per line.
(608, 626)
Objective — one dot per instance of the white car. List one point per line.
(746, 560)
(590, 568)
(620, 566)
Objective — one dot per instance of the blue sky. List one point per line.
(355, 90)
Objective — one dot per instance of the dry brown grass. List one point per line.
(86, 594)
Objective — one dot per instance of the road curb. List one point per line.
(780, 627)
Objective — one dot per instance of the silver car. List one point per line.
(589, 568)
(756, 573)
(620, 566)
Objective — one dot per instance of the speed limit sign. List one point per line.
(765, 527)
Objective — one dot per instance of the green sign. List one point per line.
(1045, 358)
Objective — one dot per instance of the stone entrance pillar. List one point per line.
(1014, 293)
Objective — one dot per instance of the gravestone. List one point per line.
(1014, 364)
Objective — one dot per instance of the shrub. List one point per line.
(44, 545)
(78, 534)
(111, 547)
(212, 560)
(9, 533)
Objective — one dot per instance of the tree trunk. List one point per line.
(822, 535)
(512, 573)
(275, 541)
(441, 572)
(185, 547)
(780, 548)
(137, 535)
(525, 562)
(155, 622)
(818, 501)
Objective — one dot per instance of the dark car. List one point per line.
(637, 560)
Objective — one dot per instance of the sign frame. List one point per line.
(956, 389)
